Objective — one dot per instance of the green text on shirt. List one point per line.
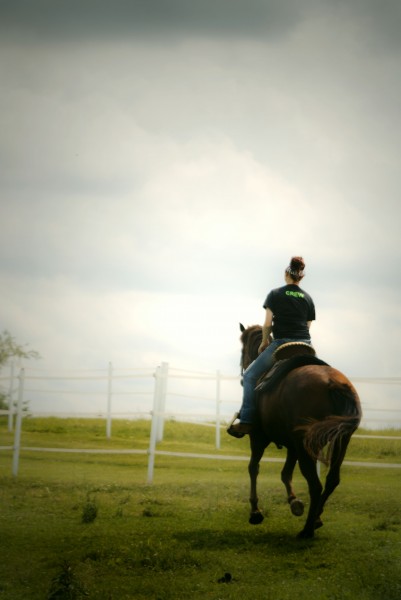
(295, 294)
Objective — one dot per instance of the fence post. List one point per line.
(162, 401)
(218, 381)
(10, 398)
(154, 426)
(109, 395)
(18, 423)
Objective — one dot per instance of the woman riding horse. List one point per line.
(289, 313)
(308, 407)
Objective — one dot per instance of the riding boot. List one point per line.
(239, 429)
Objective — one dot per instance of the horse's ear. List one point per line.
(242, 328)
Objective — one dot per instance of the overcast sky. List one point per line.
(161, 161)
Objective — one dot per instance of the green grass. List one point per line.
(53, 432)
(88, 526)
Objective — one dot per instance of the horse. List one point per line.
(311, 409)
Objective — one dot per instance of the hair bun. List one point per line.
(296, 268)
(297, 263)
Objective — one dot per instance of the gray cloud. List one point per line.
(253, 18)
(101, 18)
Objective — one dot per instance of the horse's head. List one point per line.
(251, 338)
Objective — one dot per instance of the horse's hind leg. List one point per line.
(296, 505)
(338, 451)
(309, 471)
(257, 450)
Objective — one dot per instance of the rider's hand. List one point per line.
(263, 346)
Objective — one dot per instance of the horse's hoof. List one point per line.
(305, 535)
(318, 523)
(297, 507)
(256, 518)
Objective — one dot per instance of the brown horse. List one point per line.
(306, 408)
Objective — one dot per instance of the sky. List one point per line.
(161, 161)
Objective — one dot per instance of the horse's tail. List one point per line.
(336, 428)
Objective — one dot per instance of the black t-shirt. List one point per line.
(292, 307)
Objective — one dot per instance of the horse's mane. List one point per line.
(250, 339)
(251, 335)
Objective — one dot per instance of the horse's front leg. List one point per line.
(257, 450)
(296, 505)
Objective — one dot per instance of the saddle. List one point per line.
(289, 356)
(291, 349)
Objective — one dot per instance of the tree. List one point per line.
(10, 349)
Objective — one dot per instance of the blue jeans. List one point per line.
(260, 365)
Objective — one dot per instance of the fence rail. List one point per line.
(159, 380)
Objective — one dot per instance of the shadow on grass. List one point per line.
(209, 539)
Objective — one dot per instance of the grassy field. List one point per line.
(88, 525)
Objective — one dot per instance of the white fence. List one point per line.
(214, 396)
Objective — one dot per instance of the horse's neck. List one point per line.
(254, 344)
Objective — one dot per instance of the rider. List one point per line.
(289, 314)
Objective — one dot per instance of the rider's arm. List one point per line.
(266, 330)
